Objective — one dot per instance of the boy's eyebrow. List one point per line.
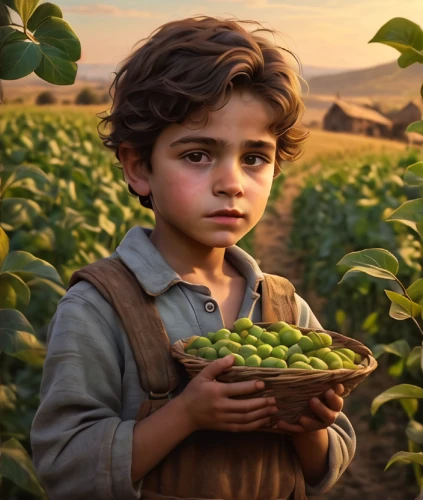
(222, 143)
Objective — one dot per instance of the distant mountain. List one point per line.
(383, 80)
(313, 71)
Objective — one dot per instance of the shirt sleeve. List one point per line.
(81, 447)
(342, 439)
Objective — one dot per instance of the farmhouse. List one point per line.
(347, 117)
(402, 118)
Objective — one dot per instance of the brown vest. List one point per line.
(208, 464)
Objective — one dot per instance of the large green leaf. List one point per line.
(414, 173)
(55, 66)
(19, 59)
(8, 35)
(399, 348)
(409, 57)
(25, 9)
(409, 213)
(16, 465)
(42, 13)
(410, 405)
(29, 267)
(405, 456)
(396, 392)
(4, 246)
(19, 211)
(415, 127)
(19, 176)
(376, 262)
(57, 33)
(401, 307)
(14, 293)
(401, 34)
(414, 431)
(17, 338)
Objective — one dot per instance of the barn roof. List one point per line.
(355, 111)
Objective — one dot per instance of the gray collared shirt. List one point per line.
(81, 435)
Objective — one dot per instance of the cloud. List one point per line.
(109, 10)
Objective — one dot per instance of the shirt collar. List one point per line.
(156, 275)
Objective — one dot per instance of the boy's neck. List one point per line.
(194, 262)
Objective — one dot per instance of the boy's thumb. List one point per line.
(217, 367)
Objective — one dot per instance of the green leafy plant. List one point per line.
(406, 302)
(46, 44)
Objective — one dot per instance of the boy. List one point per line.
(203, 115)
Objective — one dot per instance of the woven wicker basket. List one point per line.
(292, 388)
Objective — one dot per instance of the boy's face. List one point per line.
(192, 180)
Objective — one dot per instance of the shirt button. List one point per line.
(209, 307)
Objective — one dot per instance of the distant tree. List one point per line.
(46, 97)
(66, 102)
(87, 96)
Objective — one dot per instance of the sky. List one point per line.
(324, 33)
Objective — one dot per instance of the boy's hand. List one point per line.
(207, 403)
(325, 413)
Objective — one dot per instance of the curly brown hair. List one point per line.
(193, 64)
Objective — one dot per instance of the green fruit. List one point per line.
(244, 334)
(343, 356)
(284, 347)
(247, 350)
(317, 341)
(357, 358)
(301, 365)
(233, 346)
(270, 338)
(318, 364)
(220, 343)
(348, 352)
(290, 337)
(239, 360)
(224, 351)
(306, 343)
(242, 324)
(251, 340)
(279, 352)
(253, 360)
(326, 338)
(349, 365)
(294, 349)
(298, 357)
(276, 327)
(286, 327)
(201, 342)
(321, 353)
(311, 354)
(281, 363)
(190, 341)
(333, 361)
(223, 333)
(210, 353)
(193, 352)
(259, 343)
(235, 337)
(211, 335)
(202, 351)
(264, 351)
(256, 331)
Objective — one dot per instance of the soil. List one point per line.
(378, 437)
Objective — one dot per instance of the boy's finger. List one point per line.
(248, 405)
(216, 367)
(237, 388)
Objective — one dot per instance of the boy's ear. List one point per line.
(135, 171)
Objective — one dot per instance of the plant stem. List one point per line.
(413, 448)
(409, 298)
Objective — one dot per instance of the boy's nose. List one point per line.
(229, 180)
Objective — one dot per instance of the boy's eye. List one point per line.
(250, 160)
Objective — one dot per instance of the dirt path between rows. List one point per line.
(378, 438)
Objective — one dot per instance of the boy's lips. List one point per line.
(227, 213)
